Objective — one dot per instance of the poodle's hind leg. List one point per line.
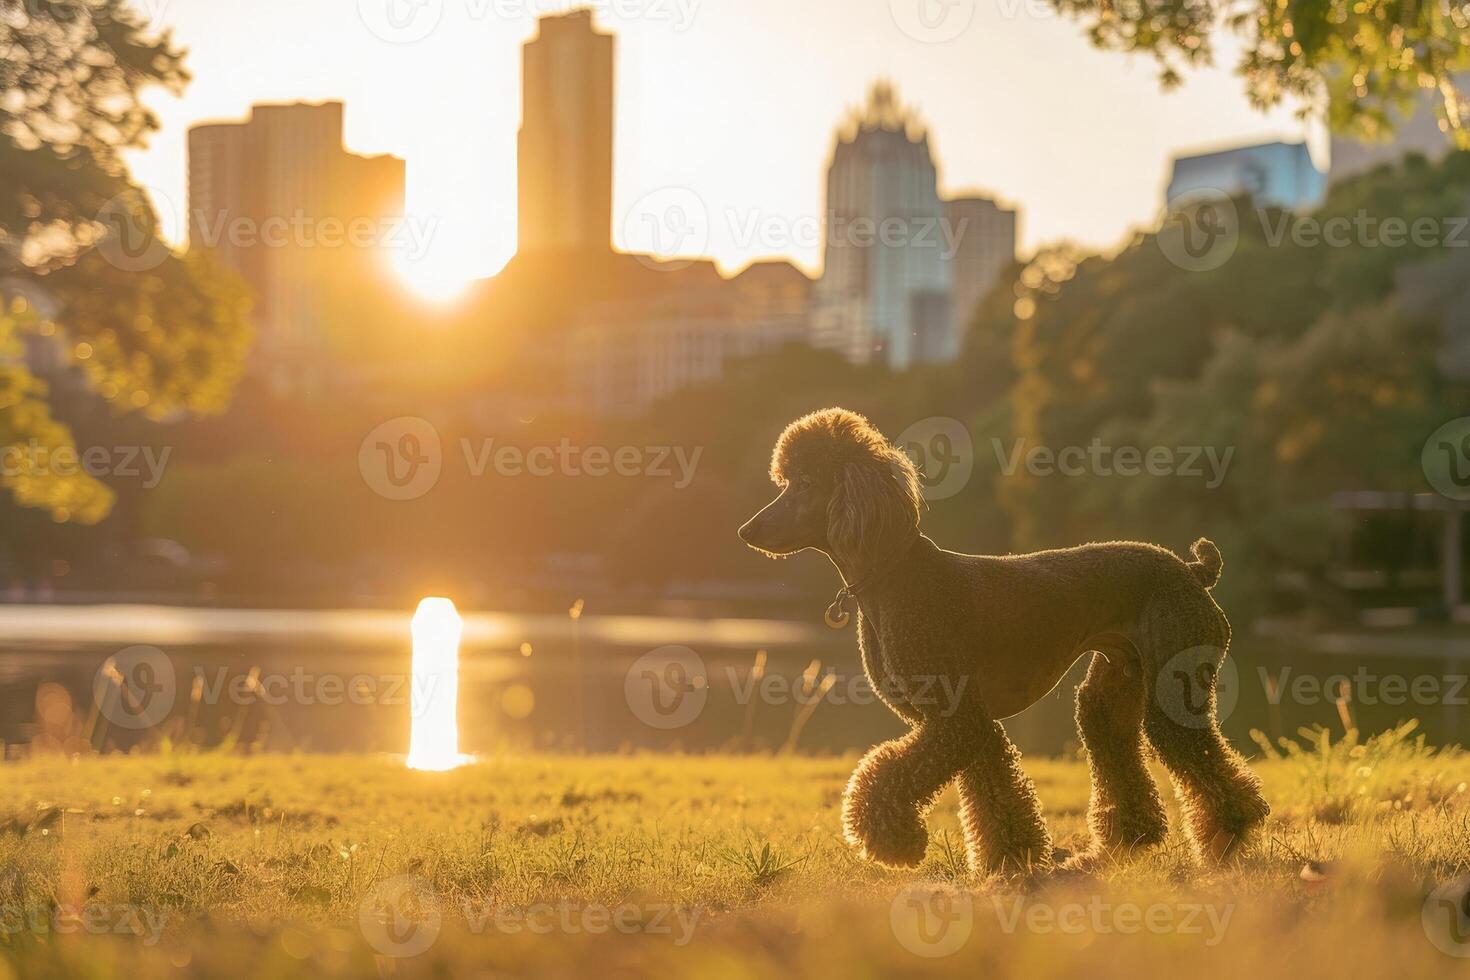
(999, 810)
(1125, 811)
(1220, 798)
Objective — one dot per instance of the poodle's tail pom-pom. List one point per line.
(1207, 562)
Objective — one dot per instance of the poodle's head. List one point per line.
(844, 491)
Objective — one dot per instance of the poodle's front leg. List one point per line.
(895, 783)
(999, 810)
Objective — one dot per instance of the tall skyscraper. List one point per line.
(984, 236)
(885, 288)
(302, 221)
(566, 138)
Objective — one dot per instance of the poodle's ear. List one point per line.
(874, 506)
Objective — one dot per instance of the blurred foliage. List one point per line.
(1359, 63)
(1297, 358)
(82, 267)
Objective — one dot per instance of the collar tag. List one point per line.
(837, 616)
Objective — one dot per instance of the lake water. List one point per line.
(339, 681)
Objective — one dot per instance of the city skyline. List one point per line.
(665, 140)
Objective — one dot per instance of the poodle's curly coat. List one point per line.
(955, 642)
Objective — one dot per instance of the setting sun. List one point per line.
(429, 279)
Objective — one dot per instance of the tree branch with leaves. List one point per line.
(82, 262)
(1358, 64)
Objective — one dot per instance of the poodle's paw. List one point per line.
(1115, 838)
(1221, 836)
(1070, 866)
(889, 836)
(1125, 832)
(899, 847)
(1015, 861)
(1086, 863)
(1223, 847)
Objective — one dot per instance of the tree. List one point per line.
(1295, 357)
(82, 264)
(1354, 62)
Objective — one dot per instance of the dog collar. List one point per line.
(837, 617)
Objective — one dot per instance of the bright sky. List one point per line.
(734, 100)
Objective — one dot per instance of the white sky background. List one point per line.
(736, 100)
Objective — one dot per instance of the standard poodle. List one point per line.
(953, 643)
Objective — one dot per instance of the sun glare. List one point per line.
(434, 742)
(429, 280)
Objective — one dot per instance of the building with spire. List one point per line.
(885, 292)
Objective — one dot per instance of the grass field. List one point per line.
(199, 864)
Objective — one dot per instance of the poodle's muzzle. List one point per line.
(777, 529)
